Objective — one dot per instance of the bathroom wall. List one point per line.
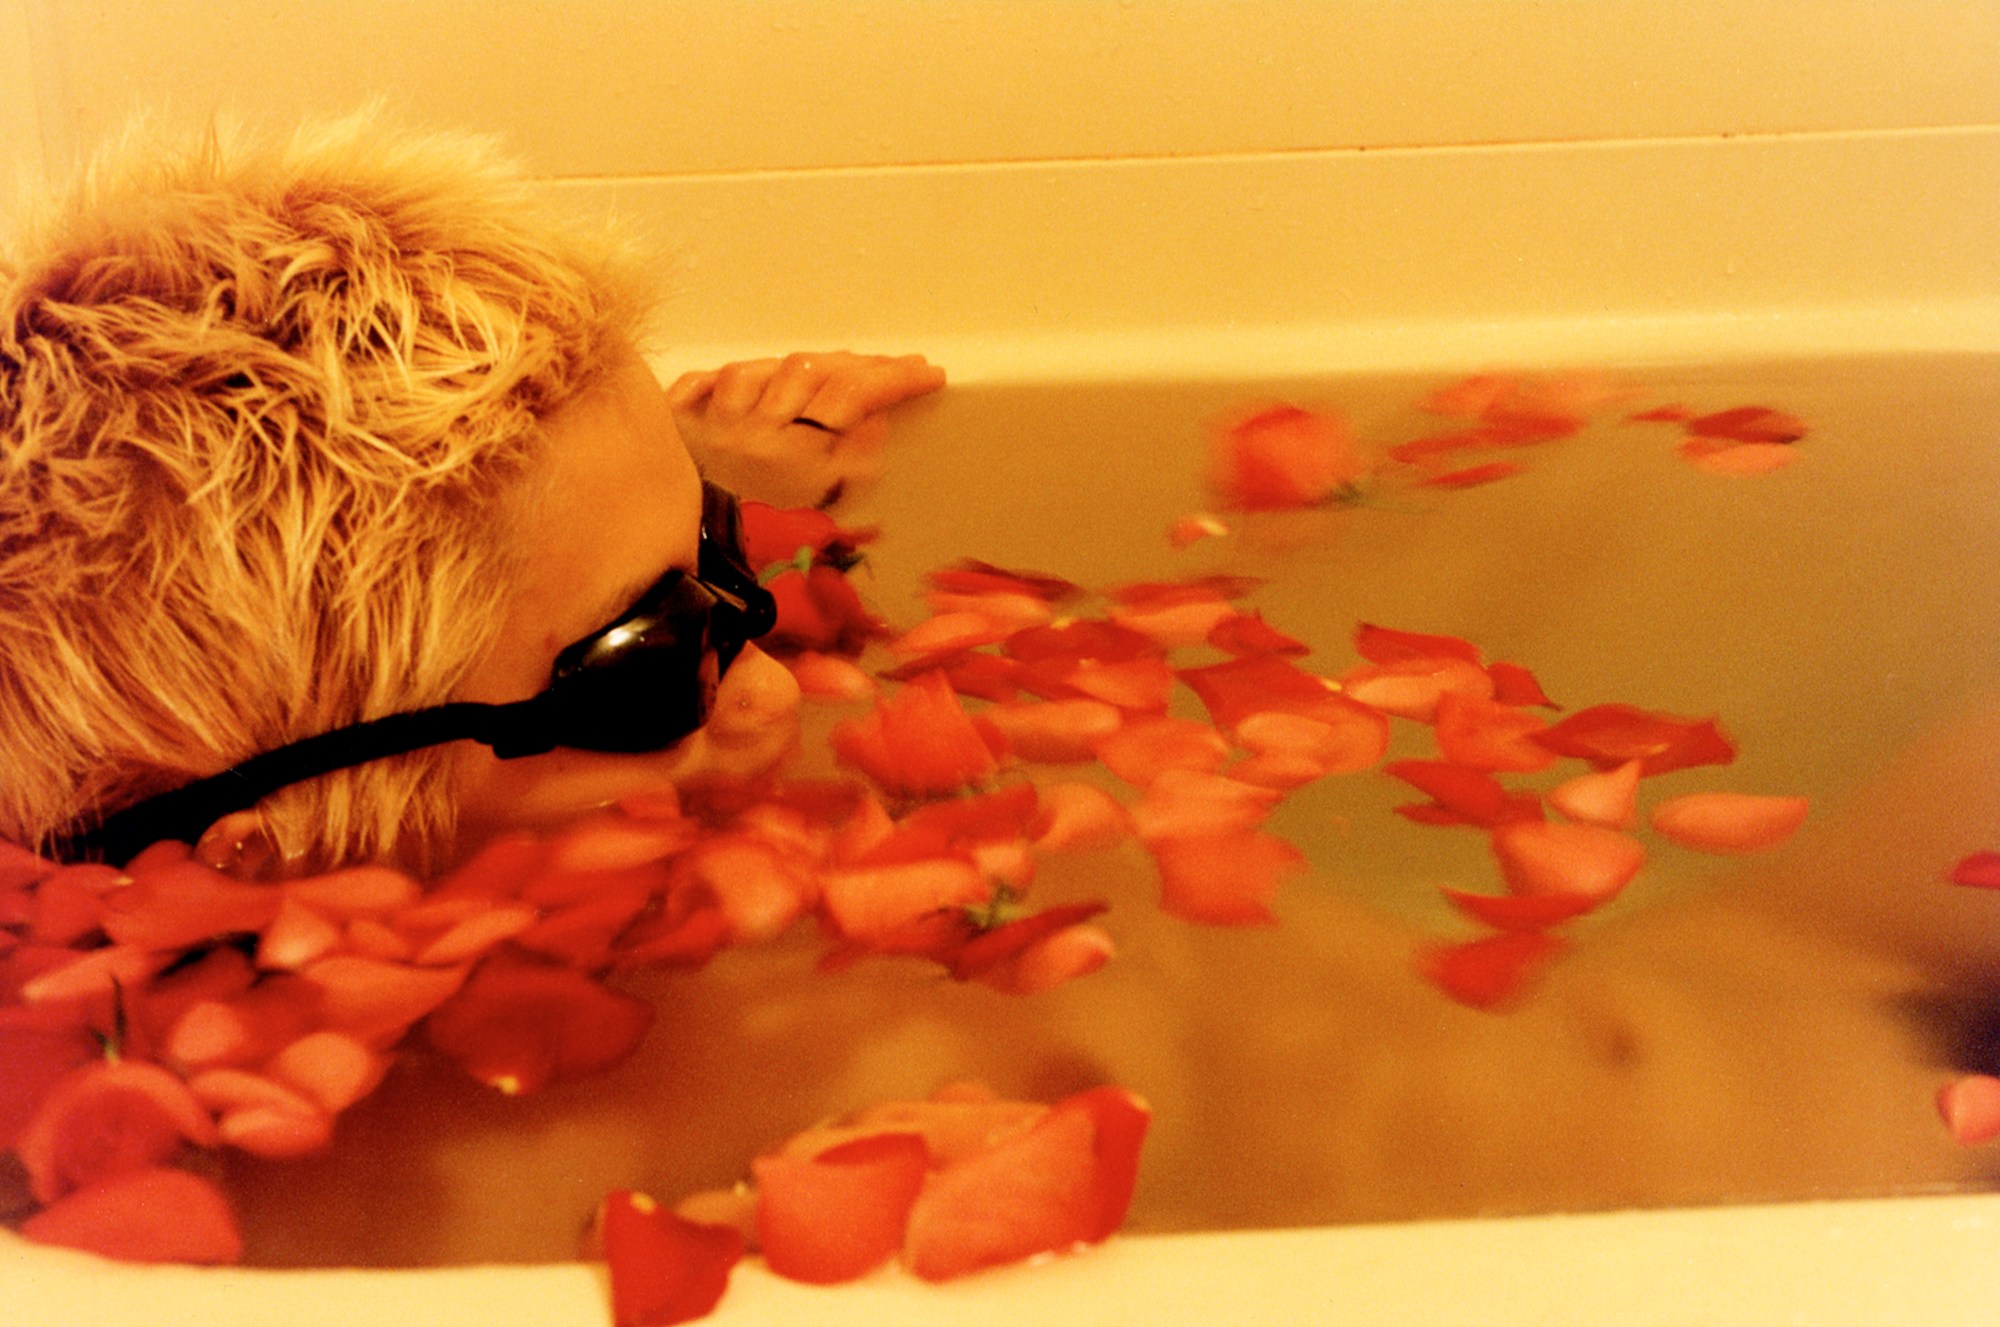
(1042, 179)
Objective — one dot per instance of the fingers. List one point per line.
(799, 430)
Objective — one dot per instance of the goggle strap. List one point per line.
(188, 811)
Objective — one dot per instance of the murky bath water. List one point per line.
(1729, 1029)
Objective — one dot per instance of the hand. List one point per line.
(798, 431)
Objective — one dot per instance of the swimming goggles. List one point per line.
(638, 684)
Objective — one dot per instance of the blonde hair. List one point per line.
(263, 407)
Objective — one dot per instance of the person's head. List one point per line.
(286, 434)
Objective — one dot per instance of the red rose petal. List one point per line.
(1281, 458)
(1492, 972)
(1471, 796)
(1144, 749)
(917, 742)
(870, 903)
(377, 1000)
(1473, 476)
(1224, 880)
(1185, 803)
(1387, 645)
(1520, 912)
(1056, 732)
(841, 1213)
(1979, 870)
(1609, 735)
(1484, 734)
(333, 1069)
(1749, 423)
(1131, 684)
(105, 1119)
(1515, 685)
(1547, 857)
(519, 1024)
(1725, 822)
(1602, 797)
(664, 1269)
(152, 1215)
(39, 1047)
(1064, 1182)
(1079, 816)
(1410, 688)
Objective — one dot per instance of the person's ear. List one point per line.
(239, 845)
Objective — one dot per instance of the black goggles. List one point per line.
(638, 684)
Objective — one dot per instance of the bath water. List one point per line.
(1729, 1029)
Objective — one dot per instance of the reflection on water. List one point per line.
(1727, 1030)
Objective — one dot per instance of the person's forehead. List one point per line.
(620, 500)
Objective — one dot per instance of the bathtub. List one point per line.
(1816, 188)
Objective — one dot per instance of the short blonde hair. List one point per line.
(262, 407)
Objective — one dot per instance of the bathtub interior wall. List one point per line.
(1018, 188)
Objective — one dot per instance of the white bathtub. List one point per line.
(1638, 184)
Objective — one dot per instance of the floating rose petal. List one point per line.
(917, 742)
(951, 633)
(179, 904)
(1017, 611)
(1979, 870)
(1144, 749)
(1742, 458)
(1609, 735)
(152, 1215)
(1520, 912)
(1264, 684)
(664, 1269)
(1387, 645)
(1601, 797)
(1191, 529)
(1249, 633)
(1187, 803)
(1077, 816)
(359, 891)
(1515, 685)
(1281, 458)
(1473, 476)
(829, 677)
(1131, 684)
(867, 904)
(1749, 423)
(332, 1068)
(1171, 615)
(1058, 957)
(106, 1119)
(819, 610)
(1492, 972)
(1970, 1108)
(971, 576)
(1410, 688)
(520, 1024)
(1056, 732)
(842, 1213)
(1471, 396)
(40, 1047)
(1065, 1181)
(296, 936)
(1725, 822)
(376, 1000)
(1469, 796)
(1484, 734)
(773, 535)
(1225, 880)
(1547, 857)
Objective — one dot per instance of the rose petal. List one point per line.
(1609, 735)
(519, 1024)
(1224, 880)
(1602, 797)
(1725, 822)
(1144, 749)
(1056, 732)
(1979, 870)
(842, 1213)
(152, 1215)
(1490, 973)
(1547, 857)
(1283, 457)
(664, 1269)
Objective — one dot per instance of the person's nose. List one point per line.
(757, 699)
